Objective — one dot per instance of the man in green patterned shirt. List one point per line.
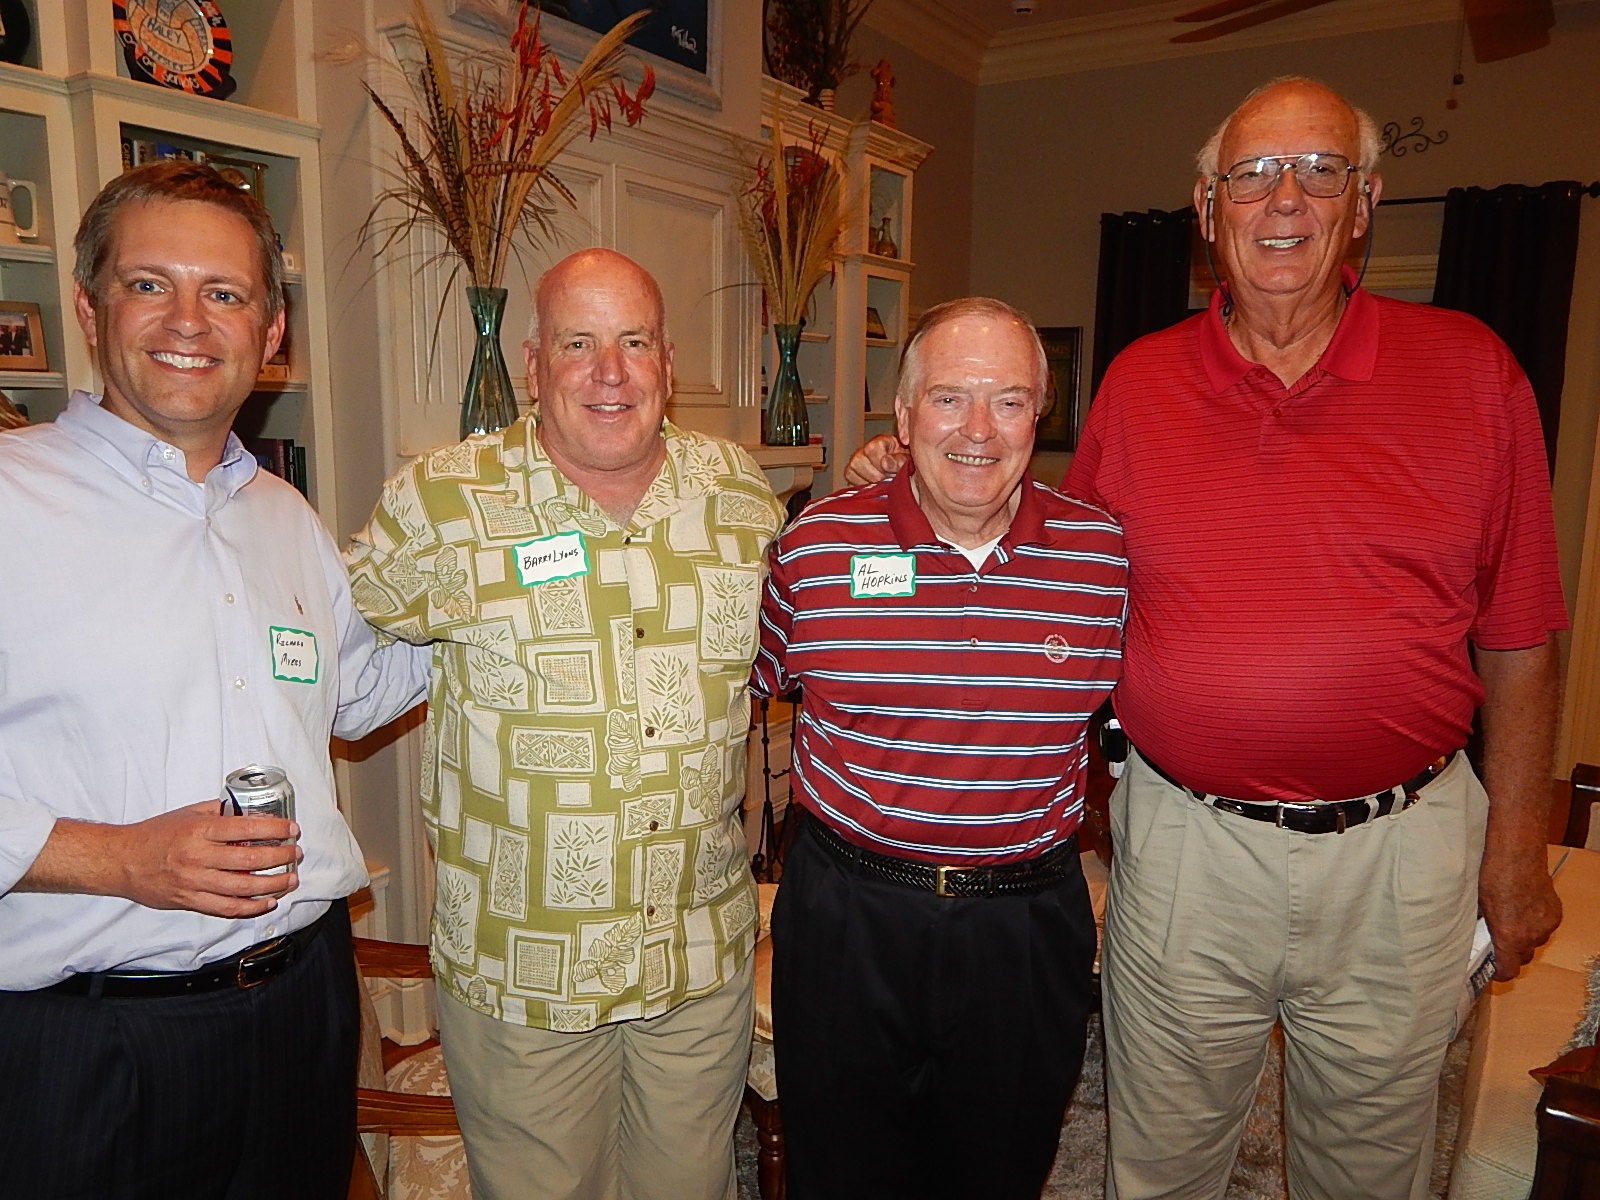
(590, 579)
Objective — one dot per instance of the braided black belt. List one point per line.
(1321, 816)
(1024, 878)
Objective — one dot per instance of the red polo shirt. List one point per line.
(945, 707)
(1308, 564)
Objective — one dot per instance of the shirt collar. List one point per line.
(1352, 354)
(136, 454)
(685, 473)
(912, 528)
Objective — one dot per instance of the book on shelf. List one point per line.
(138, 151)
(284, 457)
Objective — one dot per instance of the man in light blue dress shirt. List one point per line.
(171, 1022)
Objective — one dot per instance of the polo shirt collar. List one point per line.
(912, 528)
(1352, 354)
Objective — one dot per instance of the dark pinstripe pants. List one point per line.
(926, 1046)
(232, 1094)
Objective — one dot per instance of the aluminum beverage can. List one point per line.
(257, 791)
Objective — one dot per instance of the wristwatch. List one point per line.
(180, 44)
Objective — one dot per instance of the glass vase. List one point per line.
(488, 403)
(786, 423)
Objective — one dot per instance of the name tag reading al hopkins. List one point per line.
(883, 575)
(559, 556)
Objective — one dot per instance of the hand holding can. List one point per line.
(257, 791)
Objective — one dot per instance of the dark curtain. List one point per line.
(1506, 256)
(1144, 279)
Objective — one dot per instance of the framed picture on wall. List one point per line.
(1058, 428)
(679, 35)
(21, 337)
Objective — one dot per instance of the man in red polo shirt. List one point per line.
(1338, 523)
(953, 630)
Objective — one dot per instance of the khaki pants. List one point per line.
(1218, 927)
(638, 1110)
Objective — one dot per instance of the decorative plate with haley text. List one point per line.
(180, 44)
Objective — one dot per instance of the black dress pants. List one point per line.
(926, 1046)
(235, 1094)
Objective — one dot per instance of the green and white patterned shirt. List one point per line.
(583, 768)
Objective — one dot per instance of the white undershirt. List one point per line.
(977, 555)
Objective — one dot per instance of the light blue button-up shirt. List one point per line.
(155, 635)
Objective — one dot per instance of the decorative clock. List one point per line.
(180, 44)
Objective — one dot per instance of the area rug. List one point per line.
(1258, 1175)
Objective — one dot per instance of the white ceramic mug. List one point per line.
(10, 232)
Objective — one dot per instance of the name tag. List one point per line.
(883, 575)
(294, 655)
(559, 556)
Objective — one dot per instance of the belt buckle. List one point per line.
(1310, 810)
(940, 875)
(243, 980)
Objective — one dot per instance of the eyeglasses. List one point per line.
(1322, 175)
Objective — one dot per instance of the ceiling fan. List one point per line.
(1499, 29)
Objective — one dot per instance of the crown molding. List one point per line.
(937, 32)
(1142, 35)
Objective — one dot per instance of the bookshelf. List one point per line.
(850, 350)
(72, 110)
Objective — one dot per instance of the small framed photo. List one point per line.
(1058, 428)
(875, 327)
(21, 337)
(245, 175)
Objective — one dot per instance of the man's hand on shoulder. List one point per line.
(190, 858)
(880, 458)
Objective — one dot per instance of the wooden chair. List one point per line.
(1568, 1113)
(761, 1088)
(391, 1114)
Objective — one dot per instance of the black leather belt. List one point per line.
(1321, 816)
(246, 969)
(1024, 878)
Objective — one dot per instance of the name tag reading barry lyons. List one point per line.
(883, 575)
(559, 556)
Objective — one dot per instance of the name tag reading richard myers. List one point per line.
(883, 575)
(559, 556)
(294, 655)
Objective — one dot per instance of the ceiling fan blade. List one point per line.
(1505, 28)
(1269, 12)
(1212, 12)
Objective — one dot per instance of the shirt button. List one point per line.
(239, 684)
(649, 731)
(638, 633)
(974, 642)
(654, 825)
(973, 588)
(227, 597)
(145, 484)
(650, 910)
(168, 453)
(272, 931)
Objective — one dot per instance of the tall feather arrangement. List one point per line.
(808, 42)
(791, 215)
(479, 168)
